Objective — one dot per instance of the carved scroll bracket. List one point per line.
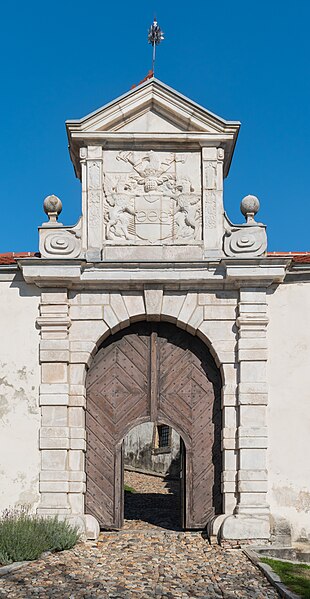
(57, 241)
(250, 239)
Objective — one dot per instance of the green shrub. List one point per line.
(26, 537)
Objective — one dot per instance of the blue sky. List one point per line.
(243, 60)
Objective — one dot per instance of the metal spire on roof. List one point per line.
(155, 36)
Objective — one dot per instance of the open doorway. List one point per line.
(154, 477)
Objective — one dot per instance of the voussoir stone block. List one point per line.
(119, 308)
(188, 307)
(171, 306)
(135, 306)
(195, 320)
(111, 319)
(153, 299)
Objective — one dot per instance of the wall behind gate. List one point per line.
(141, 452)
(19, 392)
(289, 405)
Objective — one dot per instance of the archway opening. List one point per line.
(153, 372)
(154, 477)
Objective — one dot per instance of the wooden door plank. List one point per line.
(159, 372)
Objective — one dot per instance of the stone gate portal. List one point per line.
(153, 372)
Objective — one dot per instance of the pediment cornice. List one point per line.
(192, 124)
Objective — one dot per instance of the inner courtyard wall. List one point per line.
(19, 394)
(142, 451)
(289, 406)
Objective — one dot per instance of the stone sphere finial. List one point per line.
(52, 207)
(249, 207)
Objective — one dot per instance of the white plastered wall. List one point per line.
(289, 406)
(19, 381)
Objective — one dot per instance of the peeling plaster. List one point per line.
(19, 396)
(14, 394)
(29, 496)
(4, 382)
(22, 373)
(4, 406)
(288, 497)
(20, 478)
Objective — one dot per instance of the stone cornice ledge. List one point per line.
(262, 271)
(228, 273)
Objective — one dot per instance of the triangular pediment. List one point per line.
(155, 105)
(150, 121)
(156, 114)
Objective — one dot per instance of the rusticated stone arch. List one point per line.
(153, 372)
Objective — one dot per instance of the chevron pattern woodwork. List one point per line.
(153, 368)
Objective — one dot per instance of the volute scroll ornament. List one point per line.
(249, 239)
(57, 241)
(62, 243)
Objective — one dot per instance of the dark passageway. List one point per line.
(151, 501)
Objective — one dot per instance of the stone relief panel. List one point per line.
(152, 197)
(211, 210)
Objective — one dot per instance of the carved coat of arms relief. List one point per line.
(153, 201)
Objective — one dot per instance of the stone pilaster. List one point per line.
(212, 197)
(54, 399)
(219, 328)
(62, 433)
(251, 515)
(93, 192)
(229, 418)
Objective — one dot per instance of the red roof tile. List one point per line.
(297, 257)
(12, 257)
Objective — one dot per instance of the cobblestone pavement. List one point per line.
(148, 558)
(144, 565)
(156, 502)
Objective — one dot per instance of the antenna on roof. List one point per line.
(155, 36)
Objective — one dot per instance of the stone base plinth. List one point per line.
(245, 526)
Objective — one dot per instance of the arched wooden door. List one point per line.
(153, 372)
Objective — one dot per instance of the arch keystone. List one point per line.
(153, 298)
